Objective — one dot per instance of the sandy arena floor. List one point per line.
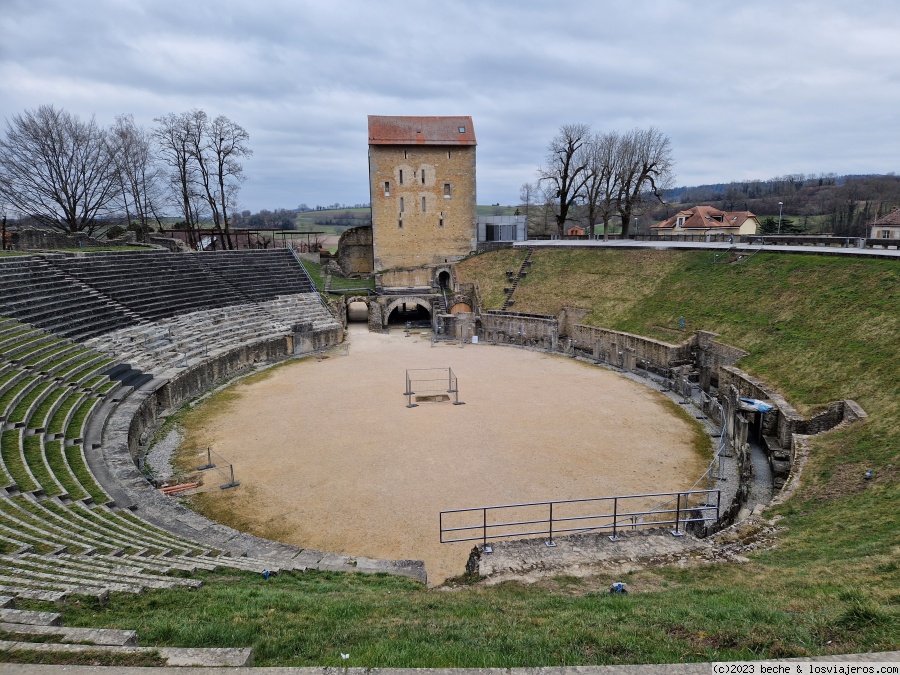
(329, 456)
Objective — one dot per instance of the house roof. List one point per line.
(893, 218)
(705, 217)
(421, 130)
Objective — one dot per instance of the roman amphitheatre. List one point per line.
(101, 349)
(374, 475)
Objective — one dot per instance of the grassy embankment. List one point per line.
(337, 283)
(817, 328)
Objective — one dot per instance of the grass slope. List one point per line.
(817, 328)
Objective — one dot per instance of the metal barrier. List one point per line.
(612, 514)
(230, 482)
(433, 384)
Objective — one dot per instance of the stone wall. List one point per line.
(418, 277)
(173, 245)
(531, 330)
(197, 379)
(569, 317)
(355, 254)
(305, 340)
(485, 246)
(607, 344)
(710, 355)
(31, 239)
(406, 235)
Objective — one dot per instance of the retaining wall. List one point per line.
(602, 341)
(530, 330)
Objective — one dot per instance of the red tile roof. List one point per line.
(704, 217)
(893, 218)
(421, 130)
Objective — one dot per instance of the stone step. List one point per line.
(98, 578)
(33, 618)
(95, 636)
(42, 586)
(174, 656)
(34, 594)
(97, 572)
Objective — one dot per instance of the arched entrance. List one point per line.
(416, 311)
(357, 310)
(460, 307)
(444, 279)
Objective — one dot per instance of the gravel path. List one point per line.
(159, 457)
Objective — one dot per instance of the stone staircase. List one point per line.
(44, 632)
(514, 278)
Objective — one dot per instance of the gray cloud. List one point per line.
(745, 90)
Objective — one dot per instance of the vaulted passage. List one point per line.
(413, 312)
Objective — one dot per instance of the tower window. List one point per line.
(423, 176)
(401, 204)
(404, 155)
(423, 204)
(401, 176)
(441, 220)
(387, 188)
(447, 191)
(400, 224)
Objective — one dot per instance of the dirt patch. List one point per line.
(330, 457)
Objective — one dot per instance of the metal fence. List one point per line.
(601, 514)
(431, 385)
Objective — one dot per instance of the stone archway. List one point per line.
(404, 302)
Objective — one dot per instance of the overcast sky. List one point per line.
(751, 89)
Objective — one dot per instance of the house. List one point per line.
(887, 227)
(702, 220)
(575, 231)
(422, 190)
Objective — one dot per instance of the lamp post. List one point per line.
(780, 206)
(635, 226)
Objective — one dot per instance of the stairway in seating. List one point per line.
(510, 290)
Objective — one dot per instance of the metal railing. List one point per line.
(612, 514)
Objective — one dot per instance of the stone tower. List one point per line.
(422, 190)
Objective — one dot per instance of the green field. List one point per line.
(824, 580)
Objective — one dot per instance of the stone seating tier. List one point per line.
(51, 504)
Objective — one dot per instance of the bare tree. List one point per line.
(139, 177)
(57, 169)
(173, 135)
(217, 147)
(600, 188)
(645, 167)
(566, 169)
(527, 194)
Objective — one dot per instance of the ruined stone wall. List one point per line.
(603, 341)
(710, 355)
(788, 419)
(173, 245)
(523, 329)
(569, 317)
(355, 251)
(31, 239)
(404, 233)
